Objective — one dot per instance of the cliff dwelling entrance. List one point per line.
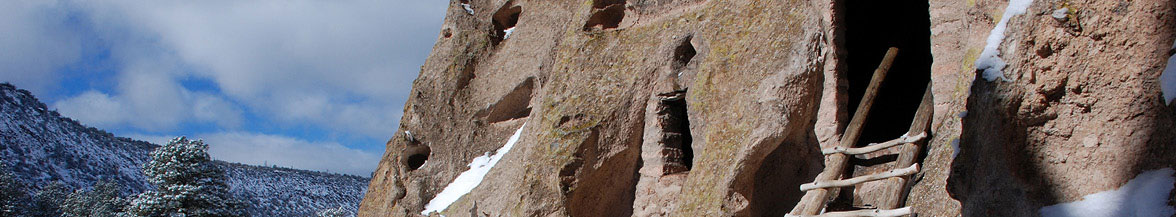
(870, 28)
(675, 123)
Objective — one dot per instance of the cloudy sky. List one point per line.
(308, 84)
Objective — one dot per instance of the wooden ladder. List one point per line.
(896, 188)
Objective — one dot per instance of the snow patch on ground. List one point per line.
(469, 179)
(989, 60)
(1168, 79)
(1146, 195)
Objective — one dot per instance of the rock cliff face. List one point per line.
(720, 108)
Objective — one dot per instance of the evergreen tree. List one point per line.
(48, 200)
(102, 201)
(333, 212)
(187, 182)
(9, 192)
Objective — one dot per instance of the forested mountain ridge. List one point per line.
(40, 147)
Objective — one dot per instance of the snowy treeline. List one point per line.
(188, 183)
(38, 147)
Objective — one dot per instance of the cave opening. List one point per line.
(674, 120)
(416, 155)
(606, 14)
(683, 54)
(871, 27)
(415, 161)
(514, 105)
(505, 20)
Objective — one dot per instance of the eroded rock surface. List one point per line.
(1082, 114)
(720, 108)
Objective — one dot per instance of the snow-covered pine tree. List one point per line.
(9, 192)
(47, 201)
(334, 212)
(101, 201)
(187, 182)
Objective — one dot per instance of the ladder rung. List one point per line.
(863, 213)
(866, 178)
(872, 147)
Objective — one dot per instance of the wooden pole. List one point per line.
(897, 188)
(813, 201)
(860, 179)
(863, 213)
(872, 147)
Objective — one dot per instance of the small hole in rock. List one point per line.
(467, 74)
(505, 20)
(416, 161)
(683, 54)
(606, 14)
(415, 156)
(514, 105)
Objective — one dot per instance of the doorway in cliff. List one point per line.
(871, 27)
(674, 121)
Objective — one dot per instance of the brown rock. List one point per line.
(1085, 119)
(720, 108)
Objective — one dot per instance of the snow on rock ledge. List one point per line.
(1144, 196)
(989, 60)
(468, 180)
(1168, 79)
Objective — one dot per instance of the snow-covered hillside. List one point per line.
(41, 147)
(274, 191)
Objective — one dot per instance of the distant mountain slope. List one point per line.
(274, 191)
(41, 146)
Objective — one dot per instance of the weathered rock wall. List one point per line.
(719, 108)
(747, 71)
(1082, 113)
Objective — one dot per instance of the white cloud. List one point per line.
(210, 108)
(150, 100)
(35, 43)
(345, 67)
(340, 65)
(259, 149)
(155, 100)
(92, 108)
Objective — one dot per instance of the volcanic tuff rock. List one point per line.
(720, 108)
(42, 147)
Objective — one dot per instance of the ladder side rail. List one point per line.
(814, 201)
(899, 187)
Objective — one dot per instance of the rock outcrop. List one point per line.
(720, 108)
(1082, 114)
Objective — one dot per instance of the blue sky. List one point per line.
(316, 85)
